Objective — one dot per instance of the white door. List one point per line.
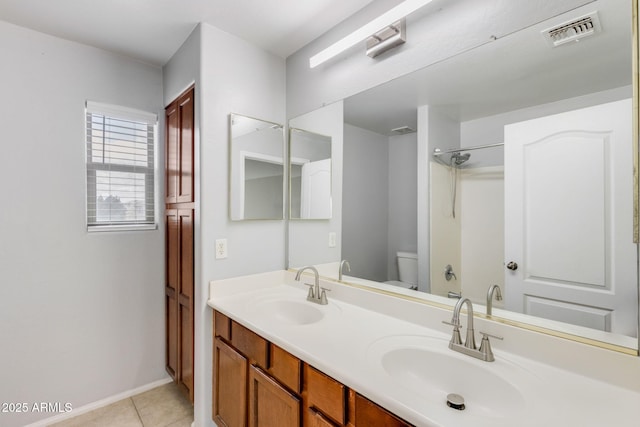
(316, 190)
(568, 218)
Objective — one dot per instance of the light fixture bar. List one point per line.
(361, 34)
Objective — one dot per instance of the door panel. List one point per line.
(270, 405)
(316, 190)
(172, 133)
(185, 162)
(568, 218)
(229, 386)
(185, 299)
(171, 291)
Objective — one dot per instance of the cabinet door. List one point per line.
(316, 419)
(179, 147)
(171, 290)
(172, 135)
(229, 386)
(185, 300)
(270, 405)
(368, 414)
(185, 148)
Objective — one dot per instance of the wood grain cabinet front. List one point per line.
(229, 386)
(255, 382)
(325, 395)
(270, 404)
(369, 414)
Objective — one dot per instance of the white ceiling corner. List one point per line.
(153, 30)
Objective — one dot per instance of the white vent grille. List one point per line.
(403, 130)
(573, 30)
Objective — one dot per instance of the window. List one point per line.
(120, 168)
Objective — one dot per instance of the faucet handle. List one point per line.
(452, 323)
(455, 337)
(485, 346)
(323, 296)
(487, 335)
(311, 294)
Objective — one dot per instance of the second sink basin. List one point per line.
(430, 371)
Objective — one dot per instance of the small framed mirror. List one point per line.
(257, 166)
(309, 175)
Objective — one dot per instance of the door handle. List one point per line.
(512, 266)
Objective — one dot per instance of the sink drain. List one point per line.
(455, 401)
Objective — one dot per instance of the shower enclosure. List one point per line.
(467, 220)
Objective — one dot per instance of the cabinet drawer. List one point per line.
(325, 394)
(285, 367)
(250, 344)
(371, 415)
(221, 325)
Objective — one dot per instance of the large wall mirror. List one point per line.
(523, 179)
(257, 165)
(309, 175)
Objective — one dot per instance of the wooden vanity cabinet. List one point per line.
(257, 382)
(252, 379)
(369, 414)
(324, 398)
(270, 404)
(229, 385)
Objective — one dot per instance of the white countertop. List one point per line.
(359, 326)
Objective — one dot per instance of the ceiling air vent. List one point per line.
(573, 30)
(403, 130)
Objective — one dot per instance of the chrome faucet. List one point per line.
(469, 347)
(314, 295)
(492, 289)
(343, 263)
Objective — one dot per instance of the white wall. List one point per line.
(436, 32)
(482, 228)
(403, 203)
(490, 130)
(364, 207)
(231, 76)
(81, 315)
(309, 239)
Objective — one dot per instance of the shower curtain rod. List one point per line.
(437, 151)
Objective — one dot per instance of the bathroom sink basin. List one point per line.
(293, 312)
(427, 368)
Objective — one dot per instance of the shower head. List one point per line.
(458, 159)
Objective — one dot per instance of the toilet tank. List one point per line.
(408, 267)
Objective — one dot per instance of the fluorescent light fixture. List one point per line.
(400, 11)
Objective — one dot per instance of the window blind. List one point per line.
(120, 159)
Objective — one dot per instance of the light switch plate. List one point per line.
(221, 248)
(332, 239)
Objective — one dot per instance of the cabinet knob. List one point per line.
(512, 266)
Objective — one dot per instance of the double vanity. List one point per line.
(369, 358)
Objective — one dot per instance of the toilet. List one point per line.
(407, 271)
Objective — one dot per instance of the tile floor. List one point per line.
(164, 406)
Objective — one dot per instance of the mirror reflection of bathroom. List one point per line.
(257, 167)
(379, 206)
(310, 175)
(467, 219)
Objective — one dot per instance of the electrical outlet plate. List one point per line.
(221, 248)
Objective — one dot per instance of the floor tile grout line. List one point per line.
(137, 411)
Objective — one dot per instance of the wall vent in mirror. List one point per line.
(256, 169)
(570, 235)
(573, 31)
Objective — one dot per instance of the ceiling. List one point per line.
(508, 74)
(153, 30)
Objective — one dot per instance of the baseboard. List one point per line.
(99, 404)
